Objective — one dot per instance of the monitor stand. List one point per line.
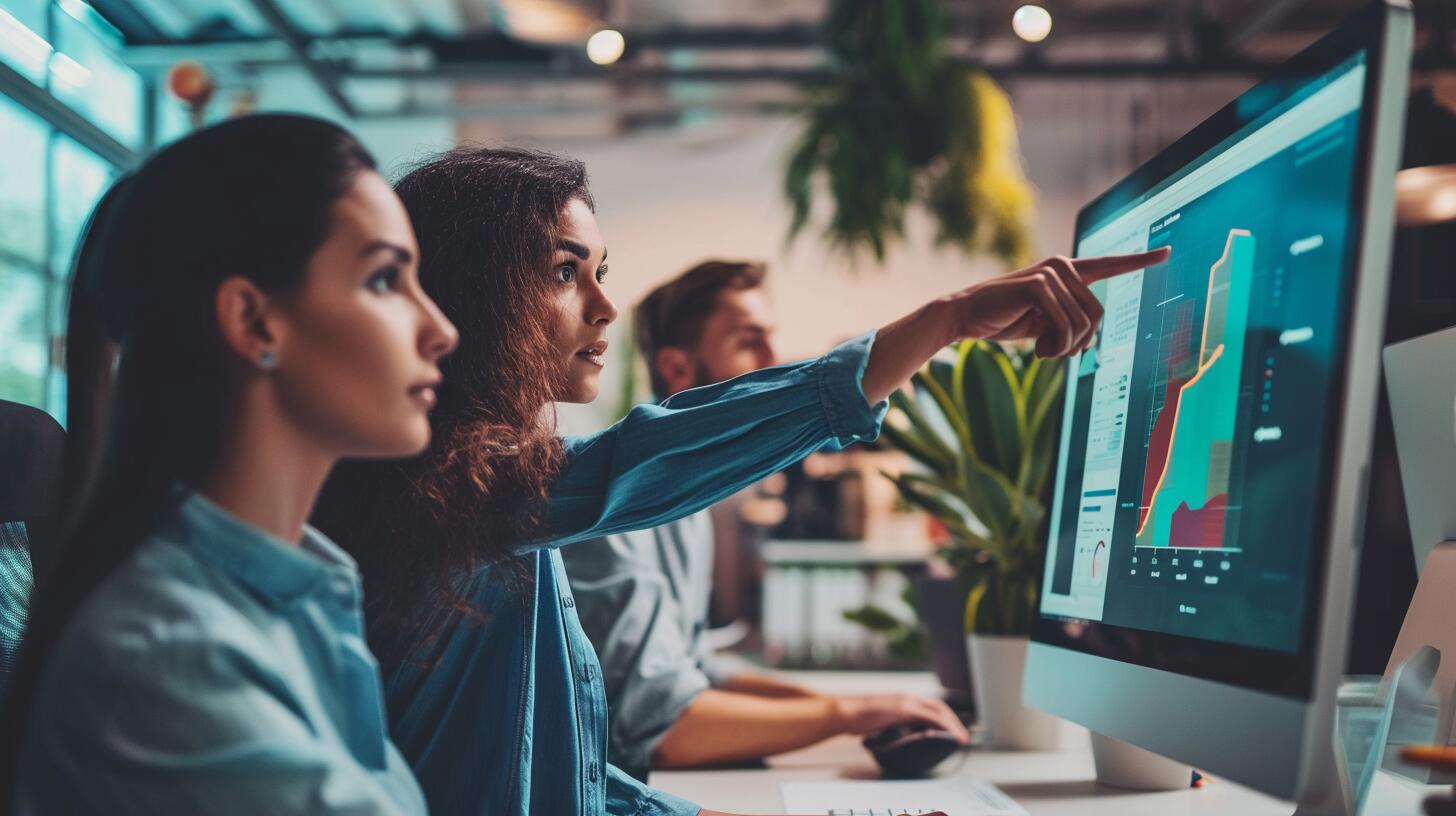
(1334, 797)
(1428, 623)
(1122, 765)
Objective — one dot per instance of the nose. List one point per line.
(599, 309)
(768, 356)
(438, 336)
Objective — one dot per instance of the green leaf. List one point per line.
(1044, 391)
(932, 497)
(929, 380)
(910, 645)
(874, 618)
(1046, 400)
(973, 604)
(937, 455)
(910, 443)
(943, 371)
(993, 499)
(991, 393)
(1042, 451)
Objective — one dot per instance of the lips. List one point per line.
(593, 354)
(424, 394)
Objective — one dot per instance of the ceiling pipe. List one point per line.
(298, 47)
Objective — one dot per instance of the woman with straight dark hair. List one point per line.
(494, 692)
(198, 648)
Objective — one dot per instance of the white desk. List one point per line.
(1044, 783)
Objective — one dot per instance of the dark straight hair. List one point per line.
(150, 383)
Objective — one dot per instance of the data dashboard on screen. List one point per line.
(1193, 429)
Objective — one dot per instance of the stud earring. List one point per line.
(266, 360)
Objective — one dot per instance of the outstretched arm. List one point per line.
(663, 462)
(1048, 302)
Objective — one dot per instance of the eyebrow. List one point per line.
(400, 253)
(578, 249)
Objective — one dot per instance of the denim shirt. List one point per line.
(503, 712)
(642, 597)
(217, 671)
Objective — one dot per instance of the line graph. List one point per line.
(1190, 446)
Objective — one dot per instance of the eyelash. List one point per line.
(566, 273)
(389, 277)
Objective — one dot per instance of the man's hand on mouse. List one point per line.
(868, 713)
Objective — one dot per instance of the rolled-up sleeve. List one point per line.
(628, 797)
(662, 462)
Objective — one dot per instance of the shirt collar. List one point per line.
(272, 568)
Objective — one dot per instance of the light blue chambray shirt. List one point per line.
(505, 713)
(218, 671)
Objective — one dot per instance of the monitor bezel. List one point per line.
(1286, 674)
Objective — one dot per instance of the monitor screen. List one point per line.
(1195, 432)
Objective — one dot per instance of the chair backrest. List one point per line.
(15, 586)
(31, 447)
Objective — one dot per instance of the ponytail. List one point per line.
(148, 390)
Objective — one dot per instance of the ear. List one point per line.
(246, 320)
(675, 367)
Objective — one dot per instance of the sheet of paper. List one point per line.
(956, 796)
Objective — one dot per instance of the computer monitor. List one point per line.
(1420, 376)
(1211, 469)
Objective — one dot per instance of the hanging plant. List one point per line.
(903, 125)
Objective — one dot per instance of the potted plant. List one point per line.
(982, 427)
(903, 124)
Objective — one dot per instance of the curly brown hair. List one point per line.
(486, 220)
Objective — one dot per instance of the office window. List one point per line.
(78, 178)
(22, 323)
(49, 182)
(22, 38)
(87, 75)
(22, 184)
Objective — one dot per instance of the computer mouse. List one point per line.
(911, 749)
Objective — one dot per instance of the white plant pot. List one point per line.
(997, 666)
(1121, 765)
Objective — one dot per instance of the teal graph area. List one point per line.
(1187, 472)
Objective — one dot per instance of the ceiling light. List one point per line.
(606, 46)
(1032, 23)
(67, 70)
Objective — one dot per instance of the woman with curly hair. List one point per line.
(493, 690)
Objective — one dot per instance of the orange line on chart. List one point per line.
(1228, 247)
(1173, 443)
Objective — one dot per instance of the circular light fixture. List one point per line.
(1425, 195)
(1032, 23)
(606, 46)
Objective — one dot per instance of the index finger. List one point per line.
(1107, 266)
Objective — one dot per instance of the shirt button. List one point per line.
(567, 602)
(592, 772)
(342, 586)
